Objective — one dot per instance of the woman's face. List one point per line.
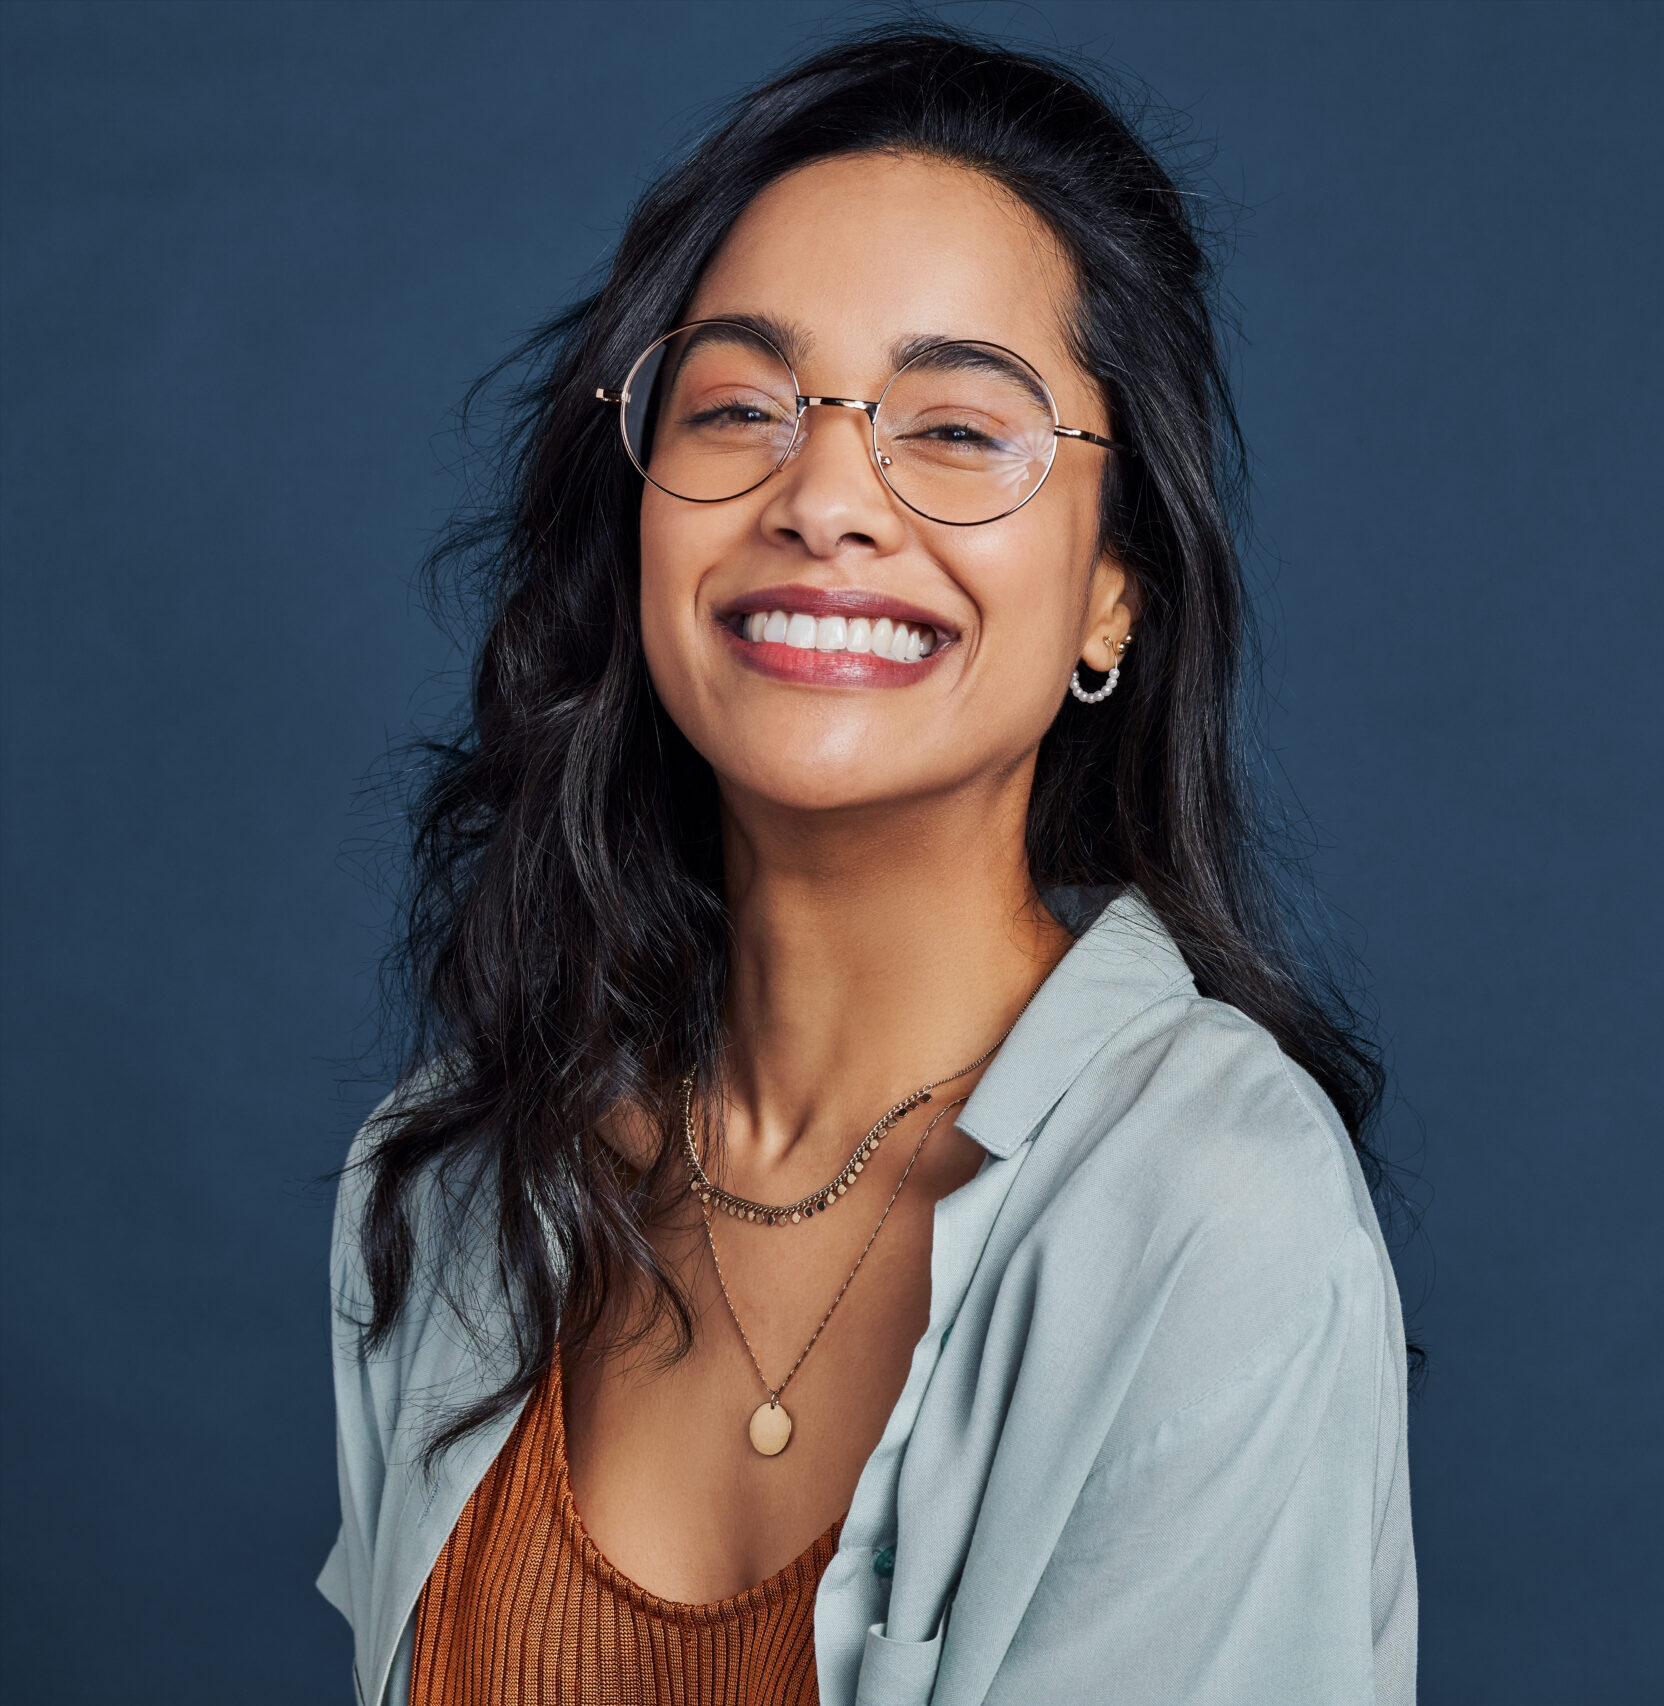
(857, 258)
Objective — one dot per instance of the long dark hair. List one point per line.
(567, 941)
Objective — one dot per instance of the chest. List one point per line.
(664, 1471)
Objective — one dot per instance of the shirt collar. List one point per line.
(1122, 962)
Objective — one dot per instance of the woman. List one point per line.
(876, 1212)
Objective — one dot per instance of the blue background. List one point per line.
(253, 255)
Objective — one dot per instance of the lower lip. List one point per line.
(827, 669)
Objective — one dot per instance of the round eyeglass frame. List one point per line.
(621, 397)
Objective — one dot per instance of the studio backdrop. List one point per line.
(253, 256)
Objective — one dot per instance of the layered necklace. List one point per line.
(770, 1426)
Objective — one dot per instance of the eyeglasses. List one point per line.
(964, 432)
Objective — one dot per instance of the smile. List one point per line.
(835, 637)
(901, 642)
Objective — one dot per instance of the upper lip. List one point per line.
(838, 601)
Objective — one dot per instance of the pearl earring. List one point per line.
(1110, 680)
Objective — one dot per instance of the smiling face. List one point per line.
(820, 643)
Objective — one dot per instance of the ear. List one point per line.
(1112, 609)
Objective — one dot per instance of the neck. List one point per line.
(873, 952)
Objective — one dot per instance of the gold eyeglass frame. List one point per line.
(804, 403)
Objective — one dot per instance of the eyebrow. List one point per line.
(904, 350)
(972, 356)
(795, 342)
(792, 341)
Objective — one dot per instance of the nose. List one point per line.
(829, 495)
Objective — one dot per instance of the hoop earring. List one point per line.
(1109, 680)
(1102, 693)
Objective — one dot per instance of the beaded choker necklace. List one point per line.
(712, 1195)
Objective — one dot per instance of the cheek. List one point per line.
(1031, 588)
(670, 554)
(660, 558)
(680, 544)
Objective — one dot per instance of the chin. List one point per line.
(809, 787)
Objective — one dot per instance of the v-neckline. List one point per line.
(813, 1558)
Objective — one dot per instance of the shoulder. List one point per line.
(1204, 1190)
(1177, 1105)
(1197, 1105)
(356, 1180)
(443, 1210)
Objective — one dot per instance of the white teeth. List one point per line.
(883, 638)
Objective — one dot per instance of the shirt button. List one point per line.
(884, 1563)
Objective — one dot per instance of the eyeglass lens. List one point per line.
(964, 432)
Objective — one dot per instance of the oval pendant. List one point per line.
(770, 1428)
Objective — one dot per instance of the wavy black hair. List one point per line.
(566, 940)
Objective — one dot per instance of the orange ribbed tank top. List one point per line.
(521, 1609)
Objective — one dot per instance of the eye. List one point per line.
(951, 432)
(747, 414)
(736, 411)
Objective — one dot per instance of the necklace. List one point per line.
(770, 1426)
(816, 1202)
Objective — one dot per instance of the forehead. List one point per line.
(861, 256)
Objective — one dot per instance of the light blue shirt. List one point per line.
(1150, 1450)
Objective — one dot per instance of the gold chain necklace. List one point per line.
(770, 1426)
(816, 1202)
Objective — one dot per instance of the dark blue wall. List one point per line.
(253, 255)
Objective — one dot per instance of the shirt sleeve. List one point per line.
(359, 1419)
(1253, 1546)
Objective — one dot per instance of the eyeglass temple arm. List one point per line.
(1092, 438)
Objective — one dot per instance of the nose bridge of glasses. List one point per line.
(855, 404)
(870, 410)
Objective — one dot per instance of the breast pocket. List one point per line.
(898, 1673)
